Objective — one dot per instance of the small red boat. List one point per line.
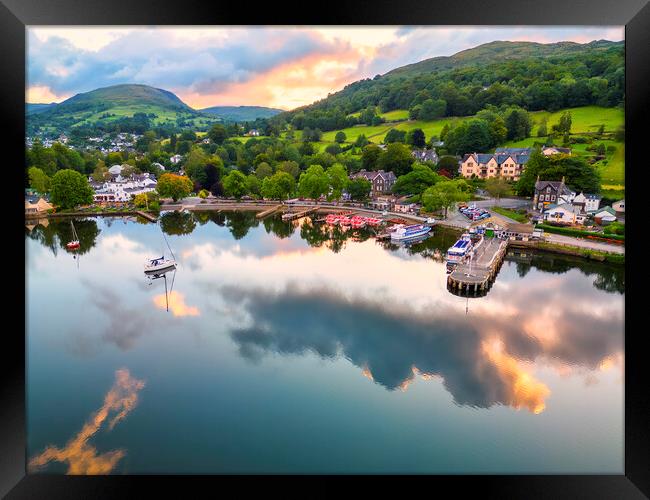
(74, 243)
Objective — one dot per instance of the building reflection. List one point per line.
(79, 454)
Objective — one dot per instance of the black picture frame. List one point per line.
(16, 14)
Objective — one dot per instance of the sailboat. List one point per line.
(160, 263)
(74, 243)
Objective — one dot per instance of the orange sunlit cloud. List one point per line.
(287, 86)
(524, 390)
(79, 454)
(177, 304)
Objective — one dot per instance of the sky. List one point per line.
(282, 67)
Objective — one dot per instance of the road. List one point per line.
(582, 243)
(503, 202)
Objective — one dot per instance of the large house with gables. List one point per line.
(504, 162)
(551, 193)
(381, 182)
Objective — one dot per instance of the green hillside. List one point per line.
(241, 113)
(119, 103)
(533, 76)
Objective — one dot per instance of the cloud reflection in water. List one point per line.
(78, 453)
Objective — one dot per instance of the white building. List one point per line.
(566, 213)
(619, 206)
(588, 202)
(175, 159)
(121, 189)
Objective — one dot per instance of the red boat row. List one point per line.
(355, 221)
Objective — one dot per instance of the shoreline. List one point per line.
(542, 246)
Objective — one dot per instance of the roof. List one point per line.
(513, 151)
(609, 210)
(540, 185)
(590, 196)
(516, 227)
(564, 206)
(519, 156)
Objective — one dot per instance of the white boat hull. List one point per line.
(156, 268)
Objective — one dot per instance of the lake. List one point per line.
(280, 347)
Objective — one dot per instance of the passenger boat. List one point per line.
(458, 251)
(409, 232)
(74, 243)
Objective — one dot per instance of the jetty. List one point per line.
(476, 276)
(298, 215)
(145, 215)
(268, 212)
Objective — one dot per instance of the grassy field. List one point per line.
(510, 213)
(583, 119)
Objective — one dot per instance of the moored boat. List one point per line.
(74, 243)
(409, 232)
(158, 265)
(458, 251)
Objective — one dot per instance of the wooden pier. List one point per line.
(147, 216)
(477, 278)
(268, 212)
(297, 215)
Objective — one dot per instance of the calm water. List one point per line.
(281, 348)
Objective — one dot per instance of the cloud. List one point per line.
(78, 453)
(176, 302)
(282, 67)
(483, 360)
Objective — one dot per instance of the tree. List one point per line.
(445, 194)
(359, 189)
(263, 170)
(337, 176)
(174, 186)
(430, 109)
(279, 186)
(361, 141)
(290, 167)
(497, 187)
(313, 182)
(469, 136)
(253, 185)
(518, 124)
(395, 135)
(218, 133)
(577, 173)
(69, 188)
(38, 180)
(235, 184)
(340, 137)
(542, 130)
(100, 173)
(416, 181)
(370, 156)
(397, 158)
(416, 138)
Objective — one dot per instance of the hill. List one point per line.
(499, 51)
(130, 105)
(37, 107)
(531, 75)
(241, 113)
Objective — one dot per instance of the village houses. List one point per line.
(504, 162)
(122, 189)
(381, 182)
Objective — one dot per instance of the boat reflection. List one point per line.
(152, 276)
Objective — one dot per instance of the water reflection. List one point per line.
(81, 456)
(56, 232)
(483, 361)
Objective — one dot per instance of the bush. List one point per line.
(568, 231)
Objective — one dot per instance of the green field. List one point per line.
(583, 119)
